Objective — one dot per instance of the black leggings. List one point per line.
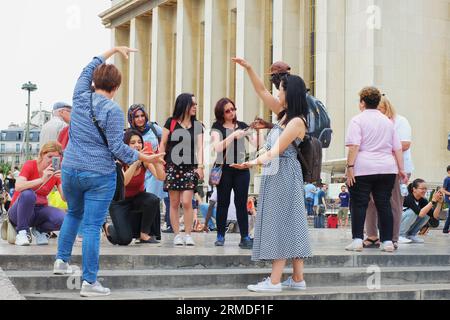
(239, 181)
(132, 216)
(380, 186)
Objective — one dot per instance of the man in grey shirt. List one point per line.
(61, 118)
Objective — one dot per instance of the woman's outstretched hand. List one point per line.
(241, 62)
(125, 51)
(155, 158)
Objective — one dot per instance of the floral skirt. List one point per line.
(180, 178)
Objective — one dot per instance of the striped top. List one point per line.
(86, 150)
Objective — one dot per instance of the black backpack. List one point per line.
(309, 153)
(319, 123)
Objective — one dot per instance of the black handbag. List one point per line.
(119, 194)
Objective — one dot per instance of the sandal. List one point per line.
(371, 244)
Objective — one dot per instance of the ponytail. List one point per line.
(414, 185)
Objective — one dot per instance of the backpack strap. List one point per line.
(173, 124)
(152, 127)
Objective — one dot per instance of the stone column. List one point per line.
(249, 45)
(122, 38)
(330, 70)
(140, 39)
(216, 56)
(162, 63)
(188, 23)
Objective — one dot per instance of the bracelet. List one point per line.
(201, 166)
(350, 166)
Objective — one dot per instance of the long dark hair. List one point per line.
(414, 185)
(219, 110)
(129, 133)
(295, 89)
(182, 105)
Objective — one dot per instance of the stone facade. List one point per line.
(337, 46)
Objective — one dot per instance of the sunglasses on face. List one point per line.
(230, 110)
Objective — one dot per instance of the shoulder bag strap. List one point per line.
(94, 120)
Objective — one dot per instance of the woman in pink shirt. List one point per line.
(373, 162)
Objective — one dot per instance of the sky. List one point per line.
(47, 42)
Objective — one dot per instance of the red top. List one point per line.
(63, 137)
(30, 172)
(136, 185)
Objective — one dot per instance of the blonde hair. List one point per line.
(51, 146)
(390, 110)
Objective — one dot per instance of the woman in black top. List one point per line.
(418, 211)
(227, 137)
(182, 141)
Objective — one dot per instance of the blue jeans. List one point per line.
(204, 211)
(411, 223)
(447, 222)
(88, 197)
(309, 202)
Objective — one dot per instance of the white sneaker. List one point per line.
(291, 284)
(178, 240)
(265, 286)
(416, 239)
(356, 245)
(22, 238)
(403, 240)
(41, 237)
(388, 246)
(61, 267)
(94, 290)
(189, 241)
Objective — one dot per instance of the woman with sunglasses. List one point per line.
(182, 141)
(227, 138)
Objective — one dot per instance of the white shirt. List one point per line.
(50, 131)
(404, 132)
(231, 208)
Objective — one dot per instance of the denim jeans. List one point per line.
(88, 197)
(411, 223)
(309, 202)
(204, 211)
(447, 222)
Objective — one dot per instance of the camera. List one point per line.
(56, 163)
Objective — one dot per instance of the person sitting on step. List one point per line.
(29, 205)
(138, 216)
(417, 211)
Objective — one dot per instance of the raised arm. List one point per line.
(84, 82)
(260, 89)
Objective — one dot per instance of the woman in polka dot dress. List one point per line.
(281, 230)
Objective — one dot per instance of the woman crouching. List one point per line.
(135, 217)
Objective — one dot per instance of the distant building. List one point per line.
(12, 144)
(40, 117)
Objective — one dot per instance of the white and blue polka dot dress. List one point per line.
(281, 230)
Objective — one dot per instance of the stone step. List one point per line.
(230, 278)
(386, 292)
(35, 262)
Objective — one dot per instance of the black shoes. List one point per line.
(246, 243)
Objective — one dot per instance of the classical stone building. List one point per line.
(337, 46)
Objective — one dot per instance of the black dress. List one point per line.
(181, 159)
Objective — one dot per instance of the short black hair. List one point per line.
(448, 168)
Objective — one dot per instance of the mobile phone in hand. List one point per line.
(56, 163)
